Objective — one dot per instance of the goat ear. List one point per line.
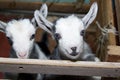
(2, 26)
(90, 16)
(44, 10)
(43, 22)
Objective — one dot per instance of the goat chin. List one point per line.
(38, 54)
(86, 56)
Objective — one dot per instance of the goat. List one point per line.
(21, 35)
(69, 33)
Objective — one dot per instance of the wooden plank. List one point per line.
(60, 67)
(117, 6)
(113, 54)
(114, 50)
(105, 16)
(53, 7)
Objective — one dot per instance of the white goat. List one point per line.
(69, 33)
(21, 34)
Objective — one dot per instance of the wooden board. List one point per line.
(60, 67)
(113, 53)
(105, 16)
(117, 6)
(53, 7)
(114, 50)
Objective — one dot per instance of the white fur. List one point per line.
(20, 32)
(90, 16)
(44, 10)
(69, 28)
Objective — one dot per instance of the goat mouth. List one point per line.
(23, 56)
(67, 56)
(74, 54)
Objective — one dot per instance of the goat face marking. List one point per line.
(21, 33)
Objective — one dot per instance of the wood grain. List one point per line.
(53, 7)
(113, 53)
(114, 50)
(117, 6)
(105, 16)
(107, 69)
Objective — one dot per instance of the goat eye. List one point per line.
(32, 37)
(57, 36)
(82, 32)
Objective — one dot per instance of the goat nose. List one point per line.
(73, 49)
(22, 55)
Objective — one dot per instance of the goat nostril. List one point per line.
(73, 49)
